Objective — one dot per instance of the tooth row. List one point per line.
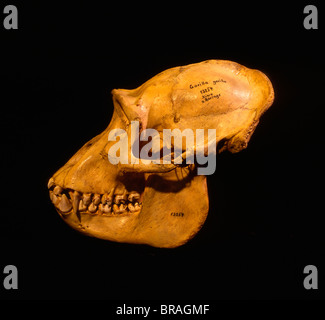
(105, 204)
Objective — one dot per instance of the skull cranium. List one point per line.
(162, 205)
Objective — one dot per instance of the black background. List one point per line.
(265, 222)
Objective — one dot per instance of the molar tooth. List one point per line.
(120, 198)
(115, 208)
(106, 198)
(57, 190)
(92, 208)
(65, 205)
(86, 199)
(50, 183)
(105, 209)
(131, 207)
(122, 208)
(119, 190)
(133, 196)
(137, 206)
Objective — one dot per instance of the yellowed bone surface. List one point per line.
(156, 204)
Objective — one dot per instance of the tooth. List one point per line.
(133, 196)
(92, 208)
(119, 190)
(115, 208)
(96, 199)
(55, 199)
(57, 190)
(120, 197)
(86, 199)
(50, 183)
(106, 198)
(122, 208)
(137, 206)
(105, 208)
(76, 199)
(131, 207)
(65, 205)
(82, 206)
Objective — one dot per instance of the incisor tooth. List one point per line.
(55, 199)
(57, 190)
(65, 205)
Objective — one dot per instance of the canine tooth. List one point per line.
(65, 205)
(92, 208)
(50, 183)
(86, 199)
(57, 190)
(133, 196)
(96, 199)
(76, 199)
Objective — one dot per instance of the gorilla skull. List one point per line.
(163, 205)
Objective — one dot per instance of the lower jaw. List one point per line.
(156, 223)
(116, 228)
